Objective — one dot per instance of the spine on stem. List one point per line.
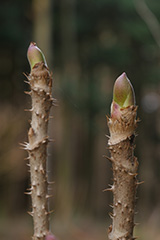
(40, 82)
(122, 125)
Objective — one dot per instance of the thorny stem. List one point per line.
(40, 82)
(122, 125)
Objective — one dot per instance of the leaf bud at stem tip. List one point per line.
(123, 95)
(35, 55)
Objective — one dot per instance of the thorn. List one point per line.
(25, 75)
(45, 140)
(51, 182)
(111, 206)
(49, 196)
(28, 164)
(35, 169)
(46, 213)
(107, 136)
(110, 159)
(29, 189)
(27, 82)
(139, 183)
(112, 215)
(27, 158)
(38, 194)
(47, 119)
(41, 169)
(28, 93)
(43, 206)
(30, 213)
(33, 183)
(108, 189)
(25, 144)
(28, 110)
(133, 174)
(28, 193)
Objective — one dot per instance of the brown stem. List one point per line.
(40, 83)
(124, 164)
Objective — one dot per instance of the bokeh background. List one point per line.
(87, 44)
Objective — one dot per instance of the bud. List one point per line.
(35, 55)
(123, 95)
(50, 237)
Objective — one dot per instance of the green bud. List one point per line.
(123, 95)
(35, 55)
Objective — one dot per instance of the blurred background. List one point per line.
(87, 44)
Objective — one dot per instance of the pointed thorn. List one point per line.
(41, 169)
(28, 193)
(49, 196)
(25, 144)
(28, 110)
(139, 183)
(108, 189)
(107, 136)
(111, 206)
(111, 215)
(30, 213)
(29, 189)
(25, 75)
(51, 182)
(27, 82)
(133, 174)
(28, 93)
(110, 159)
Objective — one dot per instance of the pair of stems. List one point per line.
(122, 125)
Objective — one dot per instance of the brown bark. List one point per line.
(40, 82)
(124, 164)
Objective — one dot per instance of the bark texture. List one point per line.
(40, 82)
(124, 164)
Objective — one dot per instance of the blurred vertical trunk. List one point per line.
(42, 35)
(42, 26)
(69, 77)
